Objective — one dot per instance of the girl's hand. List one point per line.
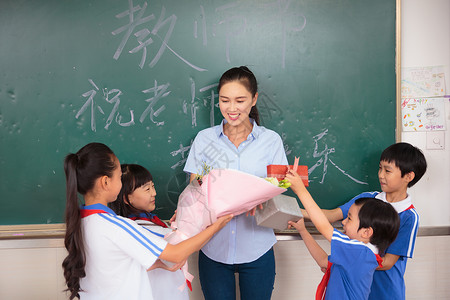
(252, 212)
(175, 267)
(173, 218)
(300, 225)
(295, 180)
(159, 264)
(222, 221)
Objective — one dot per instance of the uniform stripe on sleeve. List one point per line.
(339, 236)
(155, 233)
(412, 238)
(138, 236)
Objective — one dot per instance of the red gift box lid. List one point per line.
(279, 172)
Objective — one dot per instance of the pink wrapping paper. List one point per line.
(223, 191)
(235, 192)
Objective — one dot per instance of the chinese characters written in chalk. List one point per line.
(207, 100)
(324, 159)
(150, 36)
(157, 35)
(112, 97)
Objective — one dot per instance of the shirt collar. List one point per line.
(256, 131)
(399, 206)
(99, 206)
(372, 247)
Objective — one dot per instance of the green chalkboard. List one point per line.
(140, 76)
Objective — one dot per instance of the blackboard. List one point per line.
(141, 76)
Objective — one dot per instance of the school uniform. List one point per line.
(166, 285)
(390, 284)
(353, 265)
(118, 254)
(241, 241)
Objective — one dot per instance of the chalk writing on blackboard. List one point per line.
(90, 103)
(145, 37)
(285, 145)
(182, 151)
(234, 18)
(203, 27)
(157, 92)
(324, 159)
(268, 108)
(206, 100)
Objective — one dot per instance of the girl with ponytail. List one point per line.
(109, 255)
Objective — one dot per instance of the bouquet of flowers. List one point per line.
(222, 192)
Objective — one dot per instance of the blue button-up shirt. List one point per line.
(241, 240)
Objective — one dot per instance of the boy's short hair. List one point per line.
(382, 218)
(407, 158)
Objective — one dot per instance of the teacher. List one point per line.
(240, 143)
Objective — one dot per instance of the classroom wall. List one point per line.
(425, 41)
(31, 269)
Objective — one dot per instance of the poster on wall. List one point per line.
(423, 114)
(423, 82)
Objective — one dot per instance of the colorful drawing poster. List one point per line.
(423, 82)
(423, 114)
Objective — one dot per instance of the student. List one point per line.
(237, 143)
(401, 166)
(108, 255)
(136, 201)
(370, 227)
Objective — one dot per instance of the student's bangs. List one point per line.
(137, 177)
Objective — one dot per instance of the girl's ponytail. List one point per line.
(74, 263)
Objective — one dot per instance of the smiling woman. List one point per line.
(238, 143)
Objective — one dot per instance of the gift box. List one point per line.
(278, 211)
(279, 172)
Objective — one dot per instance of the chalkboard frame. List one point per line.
(30, 228)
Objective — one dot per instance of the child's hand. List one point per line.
(175, 267)
(300, 225)
(171, 267)
(222, 221)
(253, 211)
(173, 218)
(295, 180)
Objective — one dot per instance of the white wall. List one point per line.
(31, 269)
(425, 41)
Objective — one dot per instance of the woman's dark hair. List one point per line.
(82, 169)
(133, 177)
(382, 218)
(407, 158)
(245, 77)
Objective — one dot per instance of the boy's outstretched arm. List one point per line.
(389, 260)
(333, 215)
(314, 212)
(319, 255)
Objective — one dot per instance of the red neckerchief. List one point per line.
(87, 212)
(321, 289)
(320, 293)
(411, 207)
(379, 260)
(153, 219)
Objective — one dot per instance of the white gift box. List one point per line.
(278, 211)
